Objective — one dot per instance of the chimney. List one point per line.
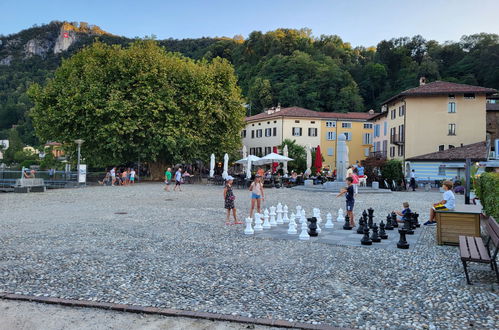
(422, 81)
(278, 107)
(371, 112)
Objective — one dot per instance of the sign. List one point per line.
(82, 174)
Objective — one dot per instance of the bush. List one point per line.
(372, 168)
(392, 170)
(487, 190)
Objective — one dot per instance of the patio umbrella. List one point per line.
(248, 169)
(225, 173)
(272, 157)
(245, 160)
(309, 161)
(318, 159)
(212, 165)
(245, 154)
(274, 164)
(285, 164)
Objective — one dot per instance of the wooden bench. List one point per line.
(472, 249)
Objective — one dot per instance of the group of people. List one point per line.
(179, 178)
(119, 177)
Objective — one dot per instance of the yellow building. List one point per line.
(270, 128)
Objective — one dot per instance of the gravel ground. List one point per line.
(173, 250)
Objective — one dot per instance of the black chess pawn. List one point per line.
(360, 228)
(312, 227)
(382, 232)
(347, 226)
(402, 243)
(407, 225)
(416, 219)
(413, 221)
(375, 237)
(364, 215)
(370, 221)
(389, 225)
(365, 239)
(394, 220)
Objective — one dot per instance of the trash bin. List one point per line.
(375, 185)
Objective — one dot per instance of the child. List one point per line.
(446, 204)
(406, 210)
(350, 199)
(355, 177)
(256, 189)
(229, 199)
(168, 178)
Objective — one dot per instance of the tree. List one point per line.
(296, 152)
(15, 146)
(142, 102)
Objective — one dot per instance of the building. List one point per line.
(434, 117)
(4, 145)
(492, 108)
(270, 128)
(446, 164)
(380, 134)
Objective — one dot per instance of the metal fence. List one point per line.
(52, 179)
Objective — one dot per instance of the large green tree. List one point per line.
(140, 101)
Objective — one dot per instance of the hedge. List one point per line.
(487, 190)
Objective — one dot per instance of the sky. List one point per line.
(360, 22)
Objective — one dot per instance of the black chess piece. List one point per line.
(375, 237)
(360, 228)
(382, 232)
(407, 224)
(312, 227)
(364, 215)
(370, 211)
(347, 226)
(389, 225)
(416, 219)
(370, 216)
(365, 239)
(394, 220)
(402, 243)
(413, 221)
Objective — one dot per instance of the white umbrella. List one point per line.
(273, 157)
(245, 160)
(285, 164)
(309, 161)
(212, 165)
(245, 154)
(248, 169)
(225, 173)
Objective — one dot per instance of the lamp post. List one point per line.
(79, 142)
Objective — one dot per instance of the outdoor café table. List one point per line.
(464, 220)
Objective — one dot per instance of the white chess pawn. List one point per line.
(304, 236)
(329, 223)
(249, 230)
(273, 223)
(298, 210)
(303, 219)
(340, 217)
(285, 218)
(266, 223)
(258, 222)
(292, 225)
(319, 220)
(279, 214)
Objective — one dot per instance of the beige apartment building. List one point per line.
(433, 117)
(269, 129)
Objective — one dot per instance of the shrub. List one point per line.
(392, 170)
(487, 190)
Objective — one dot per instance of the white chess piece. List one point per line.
(303, 219)
(340, 217)
(292, 225)
(266, 223)
(285, 218)
(279, 214)
(329, 223)
(304, 236)
(249, 230)
(273, 223)
(258, 222)
(298, 210)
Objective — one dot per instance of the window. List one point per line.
(274, 131)
(401, 133)
(331, 136)
(441, 147)
(401, 110)
(268, 132)
(252, 151)
(451, 146)
(376, 130)
(268, 150)
(258, 133)
(367, 138)
(258, 152)
(348, 135)
(297, 121)
(268, 122)
(469, 96)
(330, 151)
(275, 121)
(392, 151)
(312, 132)
(393, 114)
(259, 124)
(366, 152)
(330, 124)
(385, 146)
(370, 126)
(346, 125)
(243, 133)
(312, 122)
(441, 170)
(452, 96)
(451, 107)
(385, 128)
(400, 150)
(296, 131)
(452, 129)
(377, 146)
(392, 132)
(252, 134)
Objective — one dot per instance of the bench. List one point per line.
(26, 185)
(463, 220)
(472, 249)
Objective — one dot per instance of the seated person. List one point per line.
(448, 203)
(294, 177)
(405, 211)
(268, 175)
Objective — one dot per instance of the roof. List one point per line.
(306, 113)
(379, 115)
(442, 87)
(475, 151)
(492, 106)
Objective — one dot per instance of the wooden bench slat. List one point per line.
(473, 249)
(493, 230)
(484, 255)
(463, 247)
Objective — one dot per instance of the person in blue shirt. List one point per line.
(350, 200)
(360, 169)
(448, 203)
(405, 211)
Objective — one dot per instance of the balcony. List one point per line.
(397, 139)
(378, 154)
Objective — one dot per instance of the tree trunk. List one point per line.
(157, 170)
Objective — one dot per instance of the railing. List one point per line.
(52, 179)
(397, 139)
(378, 154)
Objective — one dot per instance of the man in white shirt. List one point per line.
(178, 179)
(132, 176)
(448, 203)
(113, 176)
(413, 180)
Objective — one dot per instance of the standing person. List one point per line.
(349, 199)
(132, 176)
(168, 178)
(229, 199)
(178, 179)
(360, 170)
(349, 171)
(256, 189)
(260, 172)
(413, 181)
(447, 203)
(113, 175)
(355, 178)
(124, 175)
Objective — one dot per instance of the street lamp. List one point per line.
(79, 142)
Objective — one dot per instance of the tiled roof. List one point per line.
(492, 106)
(378, 115)
(442, 87)
(475, 151)
(306, 113)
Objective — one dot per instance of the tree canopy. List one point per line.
(140, 101)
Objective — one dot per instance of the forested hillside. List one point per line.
(286, 66)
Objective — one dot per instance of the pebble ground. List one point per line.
(173, 250)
